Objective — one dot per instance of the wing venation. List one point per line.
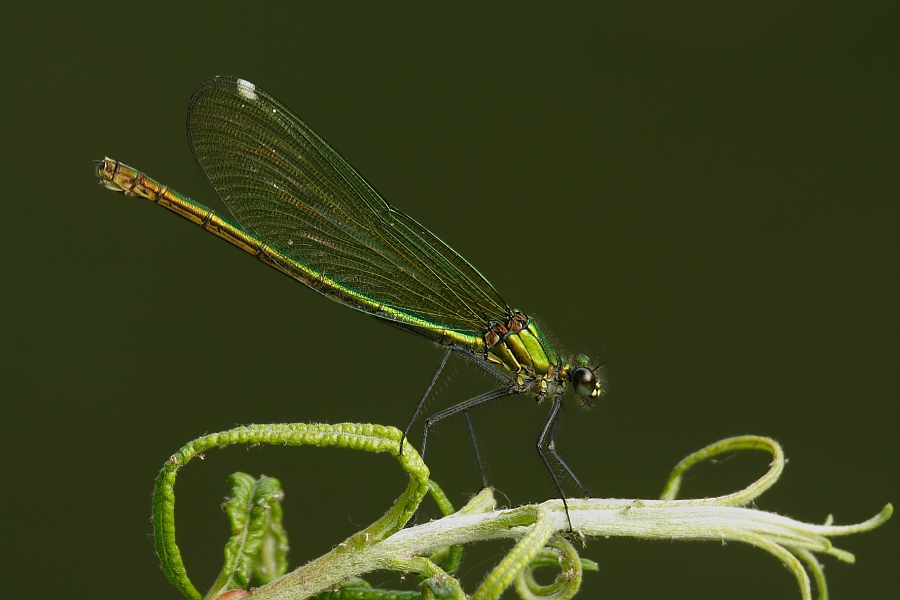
(284, 183)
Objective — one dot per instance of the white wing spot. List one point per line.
(247, 89)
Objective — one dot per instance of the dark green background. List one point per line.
(705, 197)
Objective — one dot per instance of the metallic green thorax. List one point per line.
(518, 346)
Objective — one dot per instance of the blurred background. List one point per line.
(702, 196)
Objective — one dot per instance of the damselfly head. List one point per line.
(586, 381)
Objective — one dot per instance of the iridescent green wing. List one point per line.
(285, 184)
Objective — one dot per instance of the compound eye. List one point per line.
(584, 381)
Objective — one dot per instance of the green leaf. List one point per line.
(257, 550)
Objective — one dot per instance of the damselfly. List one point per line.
(307, 213)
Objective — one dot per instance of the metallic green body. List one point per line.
(306, 212)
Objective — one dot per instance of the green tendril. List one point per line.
(364, 437)
(256, 552)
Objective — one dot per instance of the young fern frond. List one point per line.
(433, 550)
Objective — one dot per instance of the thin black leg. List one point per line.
(462, 406)
(552, 448)
(504, 378)
(484, 482)
(547, 432)
(424, 397)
